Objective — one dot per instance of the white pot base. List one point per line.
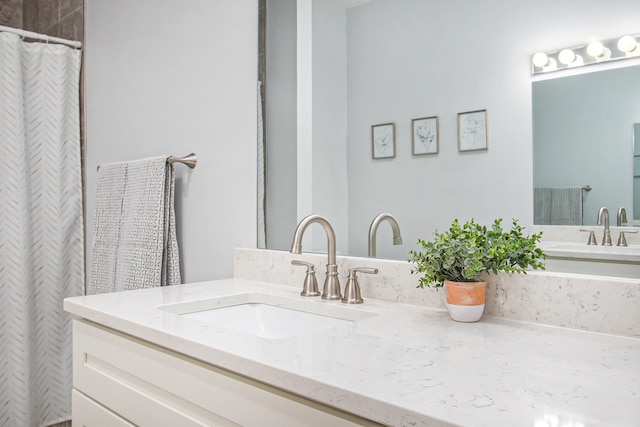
(465, 313)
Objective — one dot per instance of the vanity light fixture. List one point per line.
(629, 45)
(592, 53)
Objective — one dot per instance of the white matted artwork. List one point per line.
(424, 136)
(472, 131)
(383, 141)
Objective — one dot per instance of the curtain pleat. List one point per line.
(41, 230)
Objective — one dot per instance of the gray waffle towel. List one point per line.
(557, 206)
(134, 238)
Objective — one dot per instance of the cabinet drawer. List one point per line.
(152, 386)
(89, 413)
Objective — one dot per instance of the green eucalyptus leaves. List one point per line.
(464, 251)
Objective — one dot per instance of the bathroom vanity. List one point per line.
(163, 357)
(118, 379)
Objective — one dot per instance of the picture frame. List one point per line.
(472, 131)
(383, 141)
(425, 136)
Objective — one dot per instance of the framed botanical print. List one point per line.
(472, 131)
(383, 141)
(424, 139)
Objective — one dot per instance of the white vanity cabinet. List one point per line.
(119, 380)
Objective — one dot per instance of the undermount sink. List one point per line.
(266, 315)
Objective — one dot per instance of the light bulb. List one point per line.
(599, 51)
(595, 49)
(540, 59)
(566, 56)
(627, 44)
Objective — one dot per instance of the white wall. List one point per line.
(171, 77)
(418, 58)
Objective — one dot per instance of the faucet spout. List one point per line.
(622, 217)
(373, 231)
(331, 289)
(603, 213)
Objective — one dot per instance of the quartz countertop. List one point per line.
(406, 365)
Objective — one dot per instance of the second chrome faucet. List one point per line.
(373, 230)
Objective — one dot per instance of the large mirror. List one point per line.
(336, 67)
(583, 145)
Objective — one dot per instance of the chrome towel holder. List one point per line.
(191, 160)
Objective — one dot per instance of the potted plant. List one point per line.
(456, 258)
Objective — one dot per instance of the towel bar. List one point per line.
(190, 160)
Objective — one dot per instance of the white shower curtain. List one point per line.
(41, 231)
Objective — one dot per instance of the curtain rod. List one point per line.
(43, 37)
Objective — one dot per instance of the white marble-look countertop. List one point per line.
(407, 365)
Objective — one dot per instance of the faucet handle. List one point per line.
(310, 286)
(622, 239)
(352, 288)
(592, 236)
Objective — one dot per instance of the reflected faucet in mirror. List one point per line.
(373, 230)
(622, 217)
(603, 213)
(331, 290)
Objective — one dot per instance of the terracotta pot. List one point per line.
(465, 300)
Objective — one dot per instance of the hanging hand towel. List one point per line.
(557, 206)
(134, 238)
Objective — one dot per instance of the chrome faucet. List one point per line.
(373, 230)
(331, 290)
(604, 213)
(622, 217)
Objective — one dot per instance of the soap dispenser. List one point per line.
(352, 289)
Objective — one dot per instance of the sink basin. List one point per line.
(267, 316)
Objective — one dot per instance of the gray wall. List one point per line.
(329, 128)
(280, 124)
(306, 177)
(169, 77)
